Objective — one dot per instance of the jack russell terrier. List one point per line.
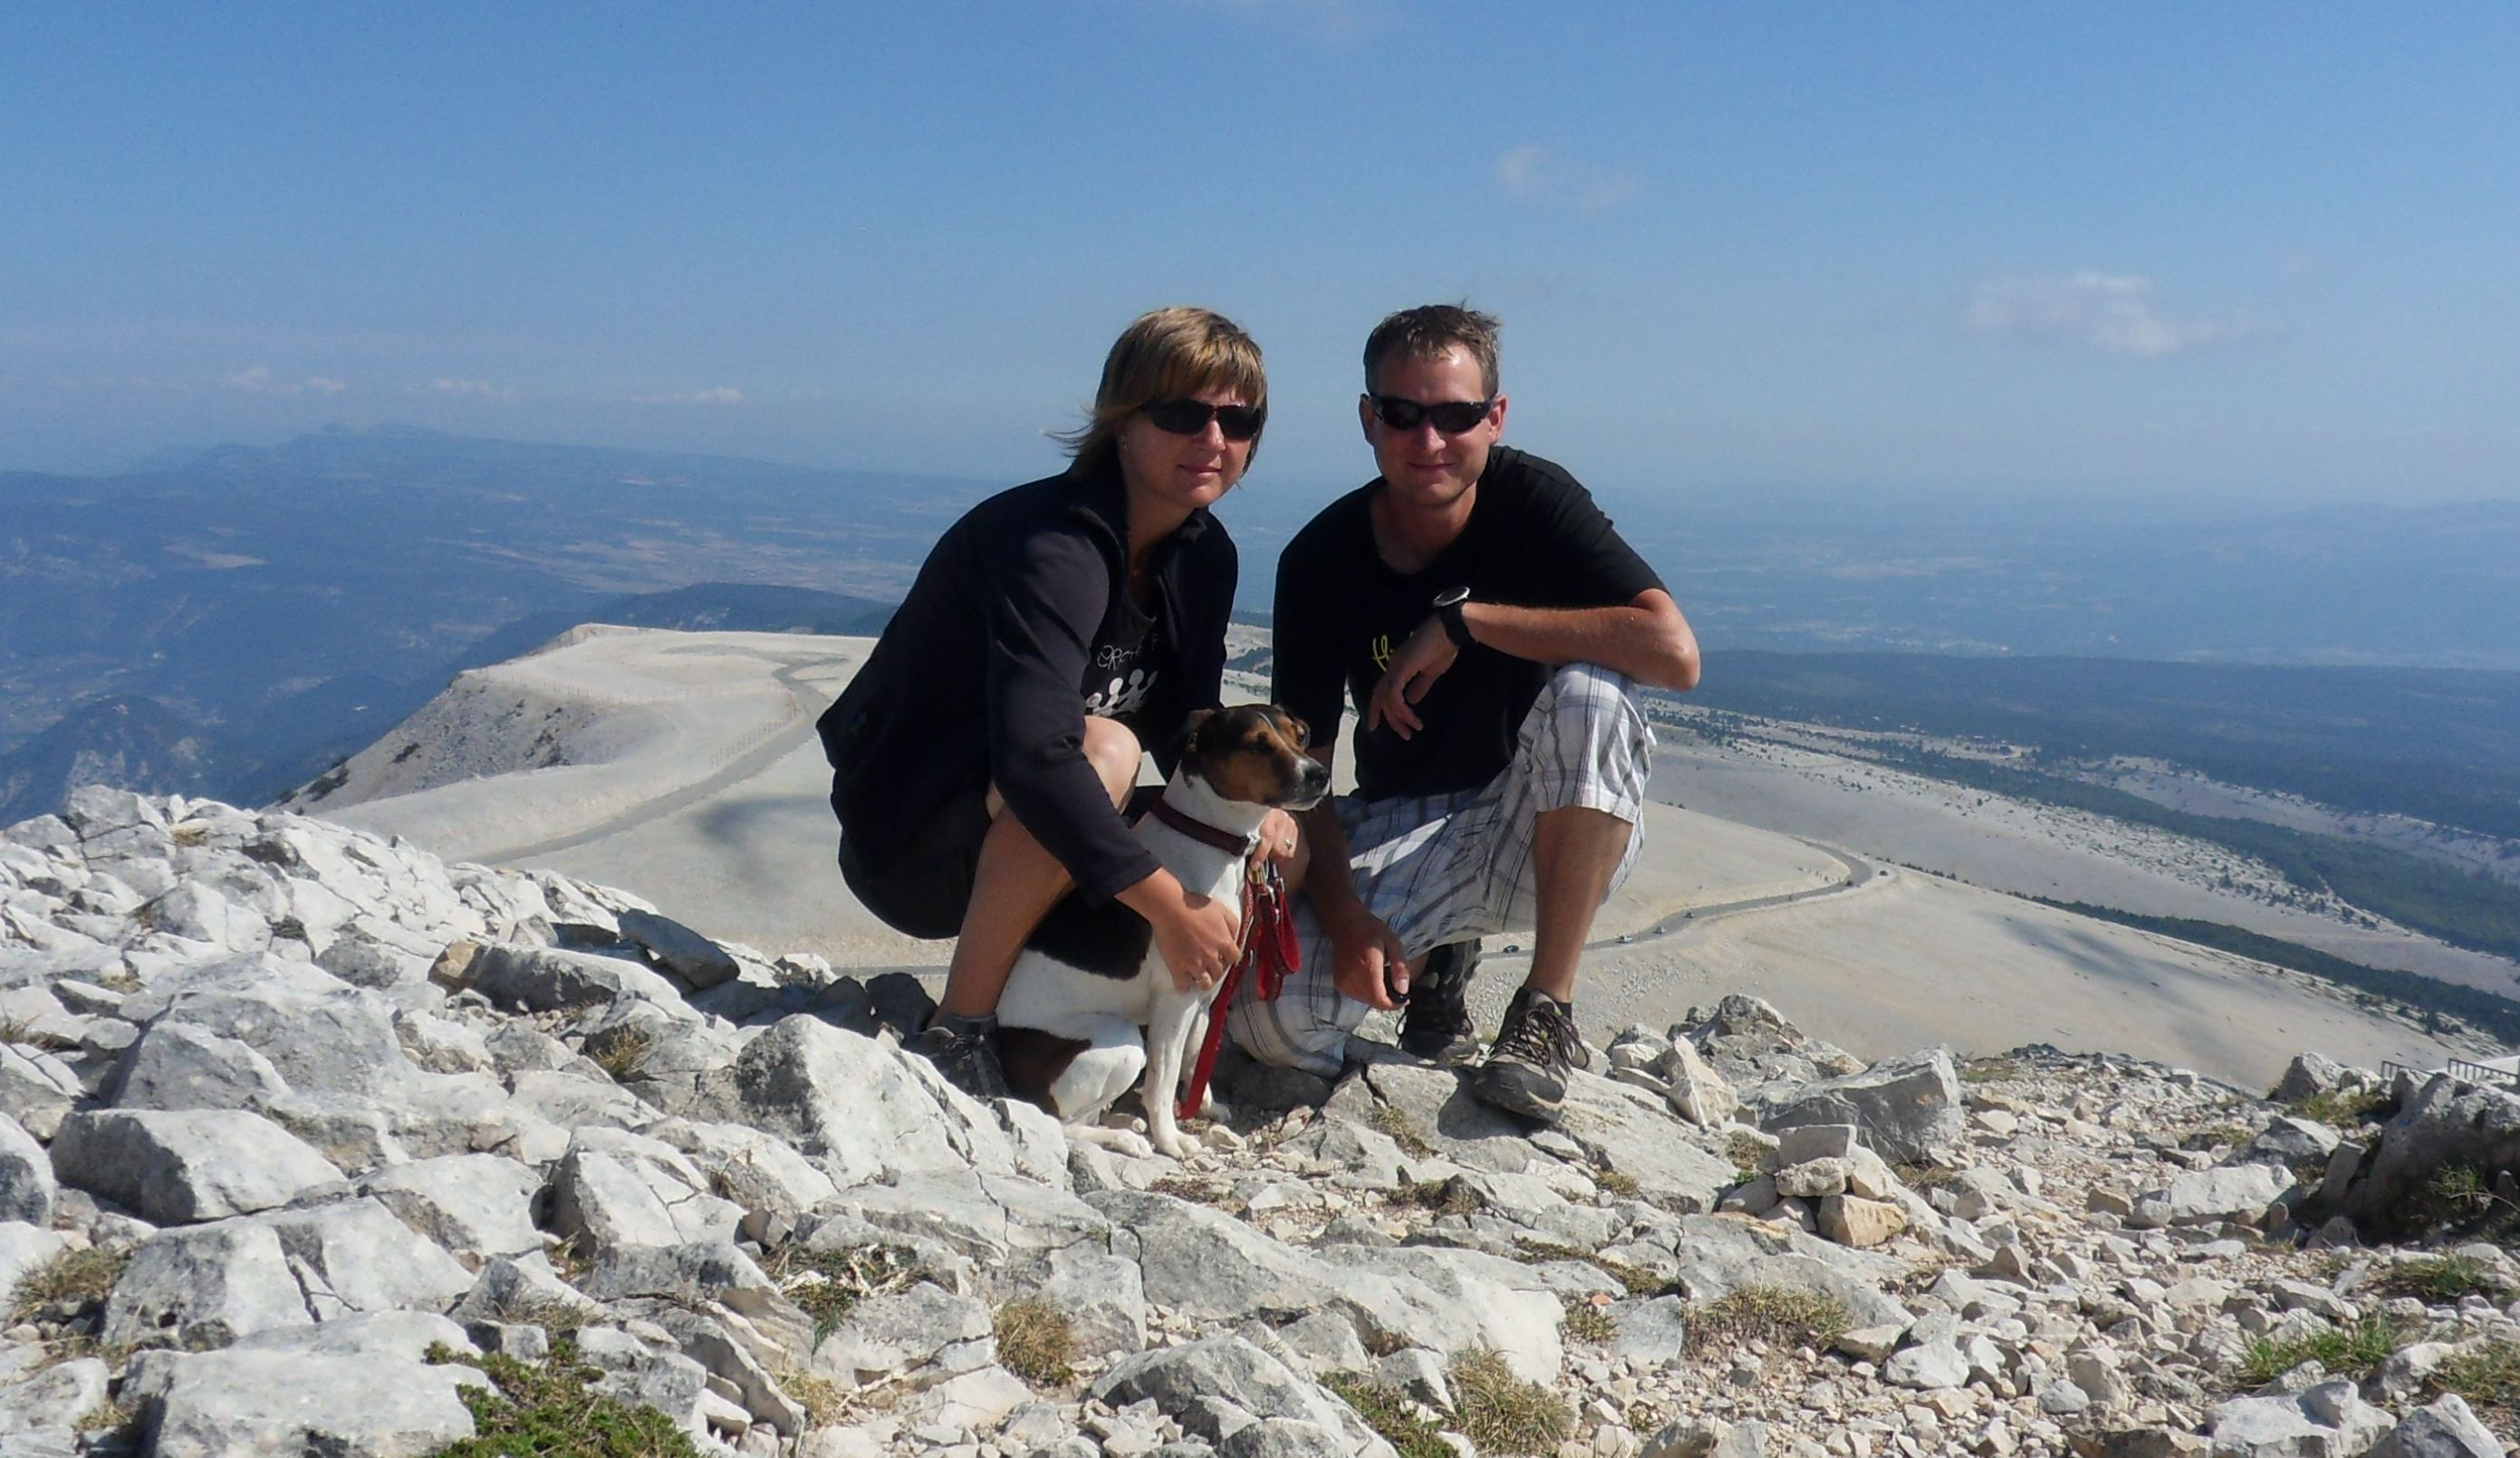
(1090, 977)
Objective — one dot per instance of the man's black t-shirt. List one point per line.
(1535, 539)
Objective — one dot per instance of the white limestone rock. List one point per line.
(1908, 1108)
(2239, 1192)
(26, 1183)
(246, 1400)
(179, 1167)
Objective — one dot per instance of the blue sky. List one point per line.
(2247, 251)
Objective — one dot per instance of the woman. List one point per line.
(981, 755)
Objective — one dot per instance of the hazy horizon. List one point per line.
(2150, 253)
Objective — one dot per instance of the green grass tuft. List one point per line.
(1500, 1412)
(1442, 1196)
(826, 1285)
(1036, 1341)
(1786, 1315)
(2345, 1110)
(2451, 1194)
(2488, 1377)
(621, 1051)
(2439, 1280)
(1394, 1123)
(2344, 1353)
(77, 1278)
(547, 1409)
(1387, 1410)
(1618, 1182)
(1637, 1279)
(1587, 1322)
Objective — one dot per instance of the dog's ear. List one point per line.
(1188, 734)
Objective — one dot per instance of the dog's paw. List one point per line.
(1173, 1144)
(1117, 1140)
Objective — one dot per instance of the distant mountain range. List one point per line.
(232, 623)
(139, 744)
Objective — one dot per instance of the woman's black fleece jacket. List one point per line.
(980, 677)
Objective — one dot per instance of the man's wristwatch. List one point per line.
(1448, 611)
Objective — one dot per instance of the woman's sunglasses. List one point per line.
(1191, 417)
(1451, 417)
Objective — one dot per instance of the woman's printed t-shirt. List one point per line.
(1120, 673)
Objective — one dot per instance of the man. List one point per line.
(1491, 627)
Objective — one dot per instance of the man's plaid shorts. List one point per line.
(1445, 868)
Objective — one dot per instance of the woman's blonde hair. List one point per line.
(1166, 354)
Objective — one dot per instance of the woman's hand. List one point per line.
(1278, 833)
(1197, 936)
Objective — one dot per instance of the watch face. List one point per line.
(1451, 595)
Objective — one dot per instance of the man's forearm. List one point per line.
(1650, 643)
(1329, 881)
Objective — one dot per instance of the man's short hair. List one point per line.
(1167, 354)
(1428, 330)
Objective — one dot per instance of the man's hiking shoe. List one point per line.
(1526, 1069)
(1436, 1025)
(965, 1051)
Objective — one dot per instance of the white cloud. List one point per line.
(1531, 173)
(479, 389)
(2109, 312)
(258, 380)
(725, 394)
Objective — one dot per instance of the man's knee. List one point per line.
(1591, 692)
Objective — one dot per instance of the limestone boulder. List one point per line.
(2329, 1418)
(176, 1066)
(2308, 1076)
(26, 1183)
(215, 1404)
(320, 1034)
(178, 1167)
(2445, 1429)
(864, 1109)
(526, 978)
(690, 957)
(476, 1207)
(1219, 1388)
(1908, 1108)
(2239, 1192)
(2444, 1123)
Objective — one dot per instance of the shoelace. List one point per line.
(1544, 1034)
(967, 1054)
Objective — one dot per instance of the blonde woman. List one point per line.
(983, 756)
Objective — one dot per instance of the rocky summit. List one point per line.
(310, 1143)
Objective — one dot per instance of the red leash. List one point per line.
(1269, 953)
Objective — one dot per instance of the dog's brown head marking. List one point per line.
(1256, 753)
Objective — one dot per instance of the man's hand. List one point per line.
(1368, 962)
(1412, 670)
(1277, 834)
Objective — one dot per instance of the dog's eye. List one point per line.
(1303, 735)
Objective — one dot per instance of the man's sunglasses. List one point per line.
(1191, 417)
(1451, 417)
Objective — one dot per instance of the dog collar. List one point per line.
(1201, 831)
